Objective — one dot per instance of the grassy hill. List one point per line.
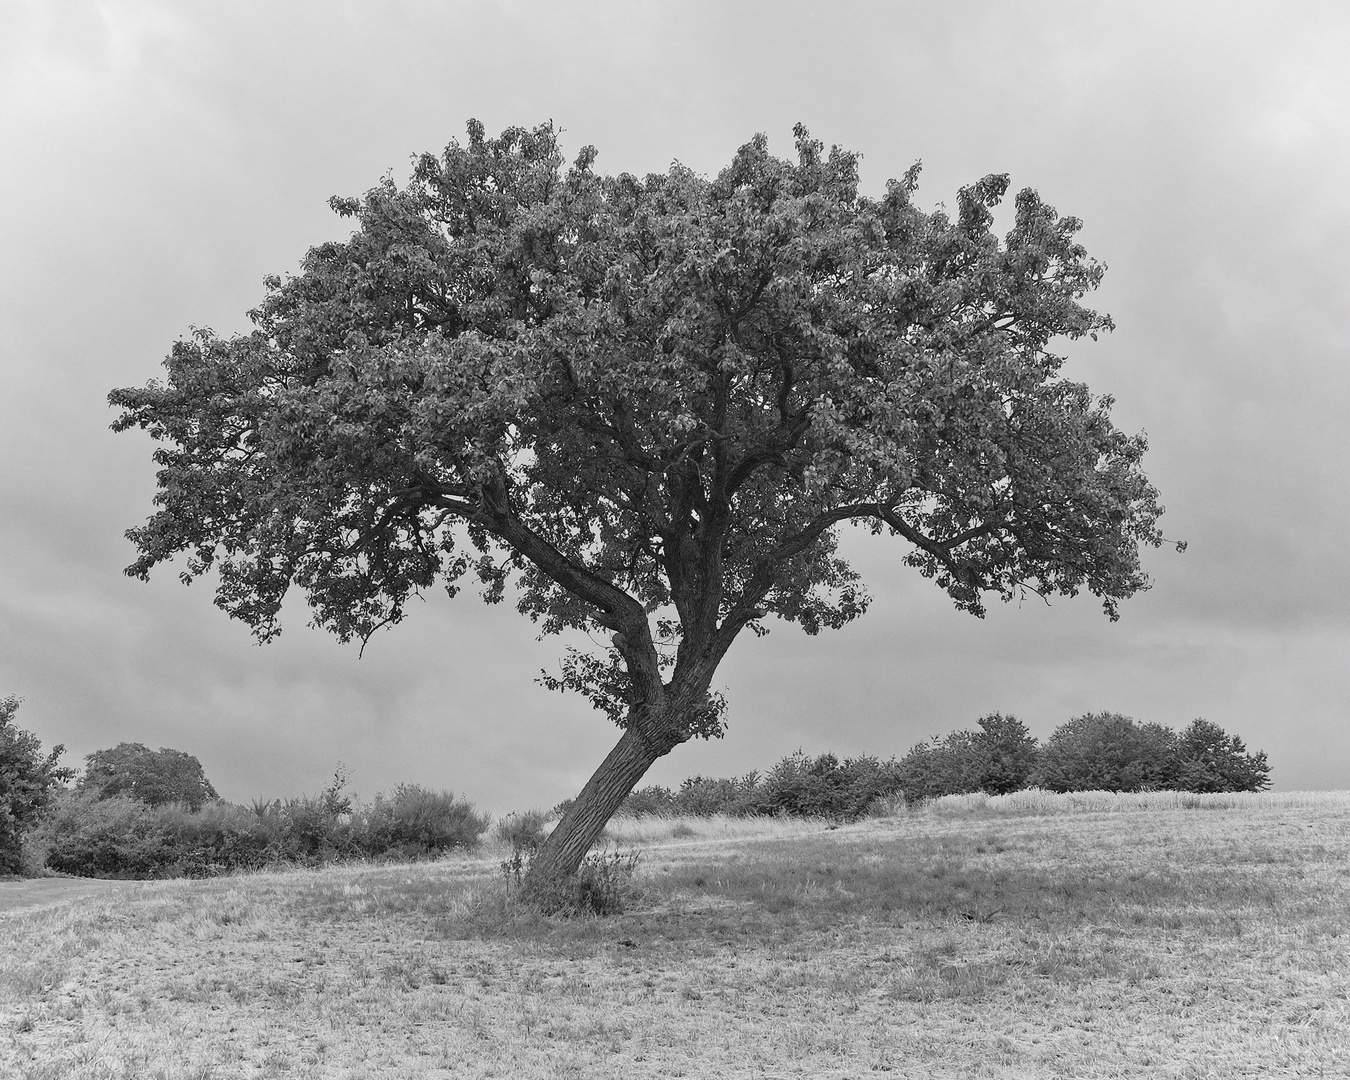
(1027, 935)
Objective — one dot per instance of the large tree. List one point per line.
(648, 405)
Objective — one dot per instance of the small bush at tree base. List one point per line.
(601, 885)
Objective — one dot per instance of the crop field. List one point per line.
(1028, 935)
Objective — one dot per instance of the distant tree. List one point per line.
(946, 765)
(154, 777)
(650, 403)
(28, 779)
(1005, 754)
(996, 759)
(1209, 759)
(1106, 752)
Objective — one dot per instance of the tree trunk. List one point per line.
(604, 792)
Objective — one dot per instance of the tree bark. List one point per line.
(580, 827)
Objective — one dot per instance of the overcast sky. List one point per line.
(158, 159)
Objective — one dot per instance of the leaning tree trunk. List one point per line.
(580, 827)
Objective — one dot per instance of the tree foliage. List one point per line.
(153, 777)
(1005, 752)
(1106, 752)
(28, 778)
(648, 403)
(996, 759)
(1209, 759)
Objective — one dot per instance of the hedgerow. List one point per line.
(1095, 752)
(123, 837)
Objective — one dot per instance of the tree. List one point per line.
(1106, 752)
(1006, 753)
(941, 766)
(154, 777)
(1209, 759)
(28, 779)
(996, 759)
(649, 404)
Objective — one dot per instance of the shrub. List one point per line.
(600, 886)
(415, 822)
(219, 838)
(1107, 752)
(116, 837)
(826, 787)
(524, 831)
(154, 777)
(703, 796)
(312, 834)
(28, 781)
(654, 800)
(1208, 759)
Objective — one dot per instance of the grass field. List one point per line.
(1023, 936)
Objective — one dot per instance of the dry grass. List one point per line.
(1026, 936)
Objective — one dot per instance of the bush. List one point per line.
(799, 785)
(600, 886)
(653, 800)
(1107, 752)
(415, 822)
(154, 777)
(704, 796)
(825, 786)
(523, 831)
(116, 837)
(28, 781)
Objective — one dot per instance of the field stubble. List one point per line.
(1024, 936)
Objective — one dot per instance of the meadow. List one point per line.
(1027, 935)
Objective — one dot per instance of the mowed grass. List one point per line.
(1027, 936)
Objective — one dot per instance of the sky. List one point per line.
(158, 159)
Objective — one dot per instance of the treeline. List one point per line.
(1095, 752)
(142, 813)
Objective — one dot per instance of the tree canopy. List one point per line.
(154, 777)
(648, 404)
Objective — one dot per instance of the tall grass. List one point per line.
(1035, 801)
